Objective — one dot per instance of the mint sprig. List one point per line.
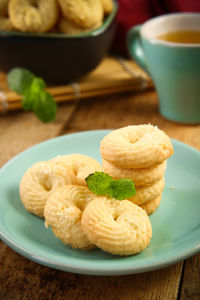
(44, 107)
(35, 97)
(19, 80)
(102, 184)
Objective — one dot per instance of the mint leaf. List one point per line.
(19, 80)
(99, 183)
(33, 93)
(44, 107)
(28, 100)
(34, 97)
(122, 189)
(37, 85)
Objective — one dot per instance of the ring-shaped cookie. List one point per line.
(140, 146)
(63, 212)
(5, 22)
(84, 13)
(33, 15)
(39, 181)
(118, 227)
(81, 165)
(140, 177)
(147, 193)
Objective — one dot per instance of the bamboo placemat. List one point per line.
(113, 75)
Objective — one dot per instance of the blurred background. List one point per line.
(134, 12)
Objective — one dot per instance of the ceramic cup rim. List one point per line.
(164, 18)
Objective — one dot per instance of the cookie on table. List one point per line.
(118, 227)
(147, 193)
(151, 206)
(63, 212)
(81, 165)
(40, 181)
(136, 147)
(140, 177)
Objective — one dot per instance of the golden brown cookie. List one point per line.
(40, 181)
(139, 146)
(5, 22)
(107, 6)
(81, 165)
(147, 193)
(152, 205)
(67, 26)
(118, 227)
(84, 13)
(140, 177)
(63, 212)
(33, 16)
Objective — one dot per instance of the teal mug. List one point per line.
(173, 66)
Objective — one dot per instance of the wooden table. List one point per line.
(21, 278)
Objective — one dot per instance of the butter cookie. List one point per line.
(118, 227)
(66, 26)
(84, 13)
(33, 15)
(139, 146)
(152, 205)
(5, 22)
(63, 212)
(40, 181)
(147, 193)
(140, 177)
(107, 6)
(81, 165)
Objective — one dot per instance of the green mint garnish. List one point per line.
(44, 107)
(122, 189)
(102, 184)
(35, 97)
(99, 183)
(37, 85)
(28, 100)
(19, 80)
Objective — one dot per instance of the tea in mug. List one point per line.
(188, 37)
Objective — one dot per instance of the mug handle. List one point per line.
(135, 48)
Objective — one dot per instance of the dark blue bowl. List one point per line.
(57, 57)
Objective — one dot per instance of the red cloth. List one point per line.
(133, 12)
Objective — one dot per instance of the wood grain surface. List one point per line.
(21, 278)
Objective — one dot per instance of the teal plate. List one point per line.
(176, 223)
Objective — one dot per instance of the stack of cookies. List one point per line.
(139, 153)
(56, 190)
